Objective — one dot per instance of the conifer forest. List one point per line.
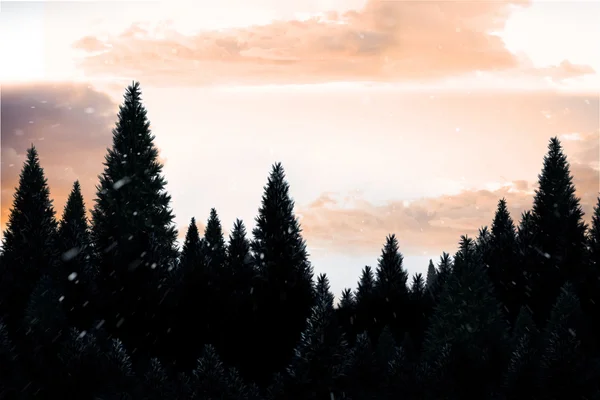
(111, 308)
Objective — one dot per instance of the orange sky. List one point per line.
(411, 117)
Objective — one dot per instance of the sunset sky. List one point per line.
(406, 117)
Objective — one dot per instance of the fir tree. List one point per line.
(346, 315)
(320, 363)
(520, 377)
(214, 243)
(156, 383)
(286, 288)
(400, 376)
(117, 369)
(191, 254)
(590, 287)
(29, 243)
(501, 260)
(391, 289)
(431, 276)
(483, 242)
(237, 285)
(44, 322)
(364, 374)
(421, 307)
(468, 320)
(10, 374)
(365, 303)
(239, 261)
(193, 293)
(132, 227)
(80, 357)
(276, 389)
(444, 271)
(385, 348)
(78, 273)
(560, 231)
(217, 292)
(209, 375)
(564, 368)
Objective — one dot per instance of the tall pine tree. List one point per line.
(366, 303)
(468, 325)
(444, 271)
(78, 272)
(560, 231)
(29, 245)
(214, 254)
(133, 228)
(590, 293)
(391, 290)
(501, 259)
(286, 289)
(191, 324)
(214, 243)
(431, 275)
(320, 364)
(237, 284)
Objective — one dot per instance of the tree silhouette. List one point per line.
(560, 231)
(132, 228)
(29, 244)
(285, 289)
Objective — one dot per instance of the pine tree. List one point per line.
(29, 243)
(444, 271)
(365, 303)
(483, 242)
(501, 260)
(217, 293)
(133, 228)
(117, 369)
(421, 307)
(286, 289)
(560, 231)
(385, 348)
(156, 383)
(80, 357)
(469, 322)
(214, 243)
(209, 375)
(346, 315)
(239, 260)
(276, 388)
(11, 378)
(520, 377)
(564, 367)
(191, 333)
(431, 276)
(391, 289)
(400, 376)
(78, 272)
(43, 324)
(590, 288)
(364, 374)
(320, 363)
(237, 285)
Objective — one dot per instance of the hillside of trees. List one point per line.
(112, 308)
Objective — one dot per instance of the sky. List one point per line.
(405, 117)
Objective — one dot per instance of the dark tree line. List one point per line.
(112, 309)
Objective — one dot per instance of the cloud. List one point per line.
(70, 125)
(384, 41)
(564, 71)
(354, 225)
